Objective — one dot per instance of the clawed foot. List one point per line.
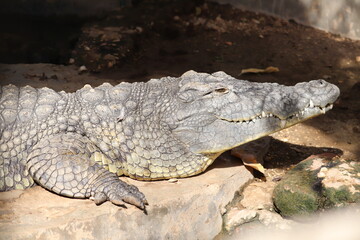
(120, 193)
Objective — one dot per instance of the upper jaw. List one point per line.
(306, 112)
(283, 102)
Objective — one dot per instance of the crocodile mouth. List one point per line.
(308, 112)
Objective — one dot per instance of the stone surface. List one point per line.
(273, 219)
(330, 225)
(256, 209)
(318, 182)
(236, 217)
(188, 209)
(258, 195)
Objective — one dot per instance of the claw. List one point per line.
(99, 198)
(119, 193)
(134, 201)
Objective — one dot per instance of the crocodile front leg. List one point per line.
(62, 164)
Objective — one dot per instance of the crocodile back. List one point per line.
(22, 105)
(9, 101)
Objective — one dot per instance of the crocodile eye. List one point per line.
(216, 92)
(221, 90)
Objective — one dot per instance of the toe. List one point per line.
(99, 198)
(134, 201)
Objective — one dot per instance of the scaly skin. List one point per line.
(76, 144)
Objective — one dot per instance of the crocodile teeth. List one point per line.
(299, 114)
(311, 104)
(282, 123)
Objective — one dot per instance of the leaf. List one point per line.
(258, 70)
(248, 159)
(256, 166)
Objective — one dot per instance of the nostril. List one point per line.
(319, 83)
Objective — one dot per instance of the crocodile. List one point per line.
(77, 144)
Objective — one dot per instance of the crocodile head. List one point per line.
(216, 112)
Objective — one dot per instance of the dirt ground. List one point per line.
(168, 38)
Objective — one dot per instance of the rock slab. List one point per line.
(187, 209)
(318, 182)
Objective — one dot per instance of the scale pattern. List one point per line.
(77, 144)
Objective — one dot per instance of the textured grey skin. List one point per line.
(75, 144)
